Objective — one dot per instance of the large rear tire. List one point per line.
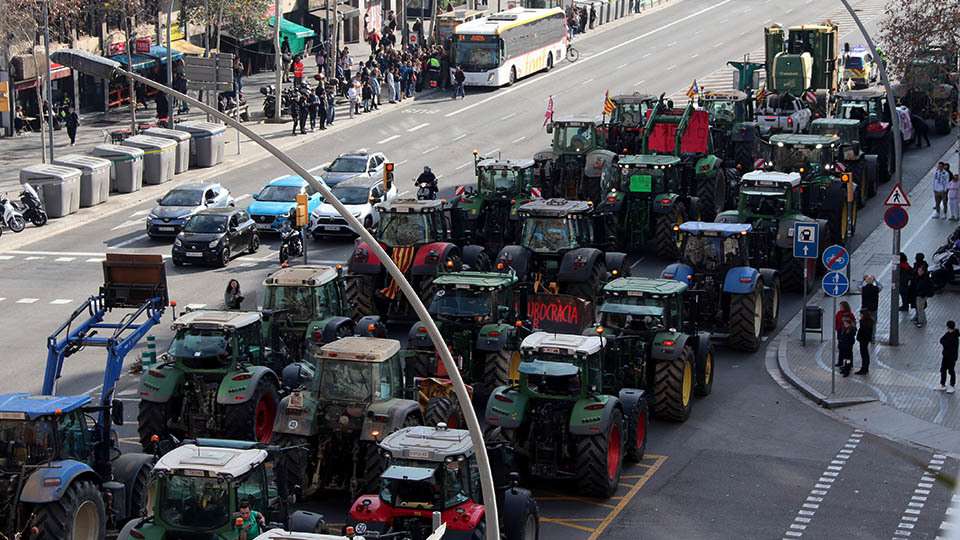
(599, 460)
(253, 419)
(152, 420)
(369, 468)
(592, 287)
(359, 293)
(299, 460)
(791, 272)
(712, 192)
(673, 387)
(746, 320)
(79, 515)
(637, 433)
(666, 240)
(771, 306)
(705, 373)
(441, 409)
(500, 368)
(743, 155)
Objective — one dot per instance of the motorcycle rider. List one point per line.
(427, 177)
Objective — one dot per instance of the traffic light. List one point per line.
(302, 209)
(387, 176)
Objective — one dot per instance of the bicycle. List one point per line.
(572, 53)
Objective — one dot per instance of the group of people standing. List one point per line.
(946, 193)
(579, 18)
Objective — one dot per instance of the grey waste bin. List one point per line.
(58, 187)
(94, 180)
(183, 145)
(126, 173)
(159, 157)
(206, 142)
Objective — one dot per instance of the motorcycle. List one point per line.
(31, 206)
(291, 243)
(11, 216)
(269, 102)
(944, 271)
(426, 191)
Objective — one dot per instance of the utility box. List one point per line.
(126, 171)
(58, 187)
(813, 320)
(94, 178)
(183, 145)
(159, 157)
(206, 142)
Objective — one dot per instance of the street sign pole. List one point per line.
(833, 352)
(806, 241)
(803, 309)
(894, 291)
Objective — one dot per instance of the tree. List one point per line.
(239, 18)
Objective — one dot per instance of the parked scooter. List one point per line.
(287, 95)
(31, 206)
(945, 263)
(291, 242)
(11, 216)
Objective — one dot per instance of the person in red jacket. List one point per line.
(297, 71)
(838, 319)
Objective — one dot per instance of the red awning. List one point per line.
(56, 72)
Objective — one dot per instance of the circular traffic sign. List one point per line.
(835, 258)
(896, 217)
(835, 284)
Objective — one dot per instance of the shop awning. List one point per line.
(56, 72)
(186, 47)
(138, 61)
(292, 29)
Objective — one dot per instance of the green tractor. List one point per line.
(218, 378)
(802, 59)
(929, 86)
(824, 193)
(734, 131)
(863, 168)
(344, 399)
(685, 134)
(577, 166)
(648, 204)
(582, 402)
(624, 129)
(770, 203)
(197, 489)
(489, 213)
(312, 305)
(869, 108)
(557, 251)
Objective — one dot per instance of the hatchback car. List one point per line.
(214, 235)
(271, 207)
(351, 164)
(173, 209)
(359, 195)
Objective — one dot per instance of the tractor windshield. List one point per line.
(575, 138)
(548, 234)
(800, 158)
(196, 344)
(461, 303)
(763, 203)
(723, 111)
(494, 182)
(711, 253)
(415, 484)
(558, 379)
(26, 442)
(630, 114)
(343, 380)
(194, 502)
(403, 229)
(846, 133)
(298, 301)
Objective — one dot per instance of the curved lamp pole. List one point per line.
(98, 66)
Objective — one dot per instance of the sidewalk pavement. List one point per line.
(897, 396)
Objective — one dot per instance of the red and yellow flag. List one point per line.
(608, 104)
(762, 93)
(403, 258)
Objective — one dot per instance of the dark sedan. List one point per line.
(214, 235)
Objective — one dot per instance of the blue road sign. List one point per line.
(805, 240)
(895, 217)
(835, 284)
(835, 258)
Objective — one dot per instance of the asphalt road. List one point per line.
(753, 461)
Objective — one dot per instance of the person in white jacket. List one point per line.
(941, 177)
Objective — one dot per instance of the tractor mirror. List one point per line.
(291, 376)
(116, 412)
(503, 311)
(549, 127)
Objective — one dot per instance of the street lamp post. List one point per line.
(98, 66)
(173, 103)
(898, 176)
(49, 87)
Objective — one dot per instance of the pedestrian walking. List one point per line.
(844, 311)
(846, 337)
(864, 337)
(352, 98)
(906, 272)
(948, 364)
(232, 297)
(313, 106)
(870, 299)
(73, 122)
(941, 177)
(459, 79)
(953, 197)
(295, 111)
(285, 57)
(237, 75)
(331, 105)
(593, 16)
(924, 290)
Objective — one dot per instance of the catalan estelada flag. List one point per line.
(694, 90)
(762, 93)
(608, 104)
(403, 257)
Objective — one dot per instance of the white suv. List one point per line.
(359, 195)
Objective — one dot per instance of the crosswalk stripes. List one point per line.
(950, 528)
(919, 498)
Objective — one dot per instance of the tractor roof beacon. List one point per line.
(344, 398)
(431, 469)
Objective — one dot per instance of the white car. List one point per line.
(783, 113)
(359, 195)
(353, 164)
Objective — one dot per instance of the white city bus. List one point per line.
(505, 46)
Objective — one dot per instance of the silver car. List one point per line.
(352, 164)
(181, 202)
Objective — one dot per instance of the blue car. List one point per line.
(271, 207)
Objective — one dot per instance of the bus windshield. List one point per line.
(476, 53)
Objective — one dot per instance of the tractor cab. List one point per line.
(846, 130)
(354, 371)
(577, 165)
(39, 430)
(305, 298)
(504, 178)
(809, 155)
(727, 108)
(574, 135)
(478, 297)
(411, 222)
(714, 248)
(865, 106)
(561, 366)
(650, 174)
(626, 122)
(641, 306)
(217, 340)
(555, 226)
(769, 195)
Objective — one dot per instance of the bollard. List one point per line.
(150, 355)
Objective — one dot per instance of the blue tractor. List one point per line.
(61, 472)
(726, 294)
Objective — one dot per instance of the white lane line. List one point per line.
(809, 508)
(96, 259)
(428, 150)
(494, 151)
(507, 117)
(621, 66)
(919, 498)
(401, 162)
(60, 301)
(646, 55)
(694, 56)
(544, 76)
(5, 257)
(140, 213)
(641, 82)
(241, 198)
(671, 68)
(318, 167)
(27, 300)
(467, 164)
(2, 299)
(388, 139)
(458, 137)
(128, 242)
(588, 81)
(421, 126)
(34, 258)
(515, 141)
(717, 44)
(670, 46)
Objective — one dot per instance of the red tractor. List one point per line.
(434, 469)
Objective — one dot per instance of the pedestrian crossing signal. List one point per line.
(301, 209)
(387, 176)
